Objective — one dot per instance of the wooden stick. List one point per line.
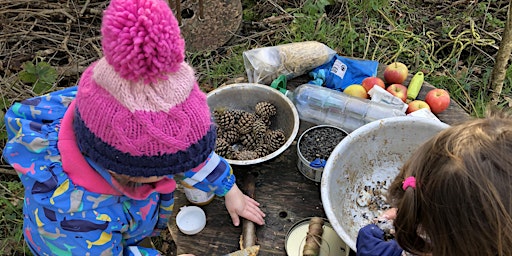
(248, 228)
(8, 171)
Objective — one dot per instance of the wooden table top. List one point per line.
(286, 196)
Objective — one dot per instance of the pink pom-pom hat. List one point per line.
(139, 110)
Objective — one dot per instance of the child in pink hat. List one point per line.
(99, 160)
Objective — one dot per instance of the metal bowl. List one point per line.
(374, 152)
(245, 96)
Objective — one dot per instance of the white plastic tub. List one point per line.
(191, 220)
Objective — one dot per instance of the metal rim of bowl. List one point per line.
(288, 142)
(324, 184)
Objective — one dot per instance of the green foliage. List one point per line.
(374, 5)
(11, 218)
(41, 75)
(219, 67)
(248, 15)
(315, 7)
(492, 21)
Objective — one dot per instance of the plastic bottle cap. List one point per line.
(191, 220)
(280, 84)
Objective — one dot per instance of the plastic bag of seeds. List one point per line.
(263, 65)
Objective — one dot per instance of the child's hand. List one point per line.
(240, 205)
(389, 214)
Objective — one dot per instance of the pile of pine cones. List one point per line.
(244, 135)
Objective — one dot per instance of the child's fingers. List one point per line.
(254, 214)
(255, 206)
(255, 217)
(235, 218)
(261, 216)
(251, 200)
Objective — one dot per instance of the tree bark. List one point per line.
(500, 67)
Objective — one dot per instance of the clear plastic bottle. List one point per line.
(321, 105)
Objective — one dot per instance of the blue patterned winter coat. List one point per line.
(71, 206)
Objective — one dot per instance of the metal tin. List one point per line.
(312, 173)
(331, 243)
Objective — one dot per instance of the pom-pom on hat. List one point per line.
(139, 110)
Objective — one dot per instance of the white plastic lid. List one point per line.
(191, 220)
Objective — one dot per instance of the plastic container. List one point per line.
(320, 105)
(331, 243)
(197, 196)
(190, 220)
(305, 166)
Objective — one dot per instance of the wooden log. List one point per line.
(248, 238)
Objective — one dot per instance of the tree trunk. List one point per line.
(500, 67)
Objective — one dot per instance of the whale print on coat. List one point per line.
(44, 187)
(82, 225)
(63, 188)
(103, 239)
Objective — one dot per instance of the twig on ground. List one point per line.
(8, 171)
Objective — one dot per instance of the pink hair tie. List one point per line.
(409, 182)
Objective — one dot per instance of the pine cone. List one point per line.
(275, 139)
(223, 118)
(266, 121)
(265, 109)
(246, 155)
(245, 122)
(259, 128)
(263, 150)
(222, 147)
(237, 113)
(248, 141)
(230, 136)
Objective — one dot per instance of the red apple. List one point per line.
(416, 105)
(438, 100)
(369, 82)
(395, 73)
(398, 90)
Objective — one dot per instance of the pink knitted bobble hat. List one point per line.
(139, 110)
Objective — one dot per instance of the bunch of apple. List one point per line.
(437, 100)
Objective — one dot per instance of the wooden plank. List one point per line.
(286, 196)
